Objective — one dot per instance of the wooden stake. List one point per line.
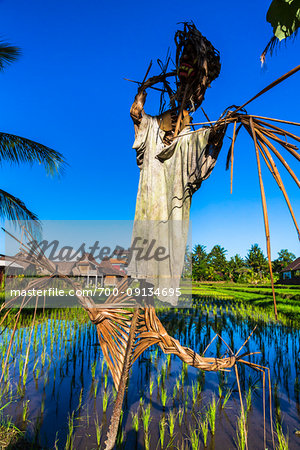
(231, 158)
(266, 220)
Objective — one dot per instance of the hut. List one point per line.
(291, 273)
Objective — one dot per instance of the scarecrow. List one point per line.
(173, 162)
(173, 159)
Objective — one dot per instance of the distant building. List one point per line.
(120, 264)
(291, 273)
(112, 275)
(85, 269)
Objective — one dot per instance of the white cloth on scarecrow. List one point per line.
(169, 175)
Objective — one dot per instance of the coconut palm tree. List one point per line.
(17, 150)
(284, 17)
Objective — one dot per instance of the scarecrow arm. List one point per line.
(137, 108)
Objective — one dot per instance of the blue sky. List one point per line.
(67, 91)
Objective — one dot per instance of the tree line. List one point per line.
(214, 265)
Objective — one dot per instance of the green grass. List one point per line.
(287, 297)
(10, 435)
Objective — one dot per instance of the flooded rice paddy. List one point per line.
(62, 395)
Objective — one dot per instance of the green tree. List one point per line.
(235, 266)
(217, 260)
(199, 263)
(284, 259)
(187, 266)
(18, 150)
(256, 260)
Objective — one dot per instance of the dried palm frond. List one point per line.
(206, 64)
(265, 137)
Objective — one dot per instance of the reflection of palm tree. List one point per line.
(16, 150)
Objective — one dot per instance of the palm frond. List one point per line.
(12, 208)
(8, 54)
(16, 149)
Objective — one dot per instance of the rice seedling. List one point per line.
(105, 400)
(241, 431)
(80, 399)
(220, 391)
(20, 390)
(204, 429)
(171, 422)
(162, 429)
(93, 369)
(186, 399)
(158, 380)
(146, 418)
(21, 365)
(177, 384)
(25, 410)
(226, 398)
(151, 387)
(96, 388)
(135, 422)
(35, 364)
(43, 357)
(211, 415)
(37, 373)
(105, 379)
(180, 415)
(168, 360)
(174, 392)
(141, 402)
(194, 438)
(98, 431)
(283, 441)
(56, 441)
(70, 435)
(163, 396)
(194, 393)
(147, 441)
(120, 434)
(249, 399)
(184, 372)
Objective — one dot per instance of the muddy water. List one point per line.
(62, 390)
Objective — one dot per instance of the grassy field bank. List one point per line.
(287, 297)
